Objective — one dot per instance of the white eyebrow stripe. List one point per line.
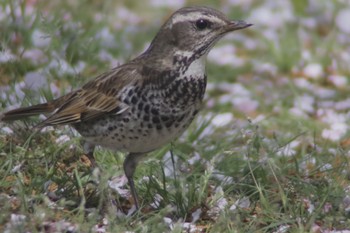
(192, 16)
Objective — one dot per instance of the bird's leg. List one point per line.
(130, 164)
(89, 152)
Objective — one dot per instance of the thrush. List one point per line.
(147, 102)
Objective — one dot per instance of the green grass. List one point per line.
(244, 163)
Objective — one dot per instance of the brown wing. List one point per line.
(96, 98)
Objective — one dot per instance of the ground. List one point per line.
(268, 153)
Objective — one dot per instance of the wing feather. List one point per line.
(96, 98)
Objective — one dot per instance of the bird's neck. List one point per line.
(189, 63)
(185, 63)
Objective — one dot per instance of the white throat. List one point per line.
(197, 67)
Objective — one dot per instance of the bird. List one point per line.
(147, 102)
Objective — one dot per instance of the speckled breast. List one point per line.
(156, 116)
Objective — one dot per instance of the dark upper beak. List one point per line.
(236, 25)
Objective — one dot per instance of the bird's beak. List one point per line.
(236, 25)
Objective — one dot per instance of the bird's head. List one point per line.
(194, 30)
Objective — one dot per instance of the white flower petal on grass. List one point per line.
(309, 22)
(190, 227)
(342, 20)
(18, 219)
(35, 55)
(63, 67)
(238, 96)
(313, 70)
(40, 39)
(245, 105)
(194, 159)
(340, 231)
(326, 167)
(106, 38)
(338, 80)
(196, 215)
(305, 103)
(265, 68)
(282, 229)
(309, 205)
(258, 119)
(55, 90)
(342, 105)
(336, 131)
(16, 168)
(62, 139)
(241, 3)
(221, 202)
(337, 122)
(298, 112)
(167, 3)
(168, 164)
(116, 183)
(18, 90)
(289, 150)
(303, 83)
(223, 119)
(243, 202)
(329, 116)
(267, 14)
(324, 93)
(124, 17)
(156, 201)
(6, 130)
(6, 56)
(35, 80)
(169, 222)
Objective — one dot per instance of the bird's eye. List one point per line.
(202, 24)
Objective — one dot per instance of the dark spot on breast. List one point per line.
(134, 100)
(164, 118)
(130, 92)
(126, 120)
(150, 126)
(155, 120)
(181, 118)
(159, 127)
(140, 106)
(154, 111)
(146, 118)
(147, 108)
(169, 124)
(110, 128)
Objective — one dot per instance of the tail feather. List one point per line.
(20, 113)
